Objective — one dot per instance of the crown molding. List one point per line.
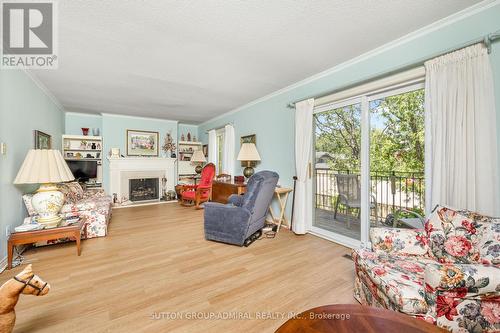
(83, 114)
(446, 21)
(138, 117)
(43, 88)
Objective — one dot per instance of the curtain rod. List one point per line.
(486, 40)
(220, 127)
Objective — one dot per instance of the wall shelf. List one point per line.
(78, 147)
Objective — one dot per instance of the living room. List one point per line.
(228, 166)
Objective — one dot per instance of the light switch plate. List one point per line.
(3, 148)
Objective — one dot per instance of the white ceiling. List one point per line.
(193, 60)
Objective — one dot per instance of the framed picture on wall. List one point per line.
(252, 138)
(42, 140)
(205, 150)
(142, 143)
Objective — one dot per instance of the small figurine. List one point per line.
(182, 137)
(189, 136)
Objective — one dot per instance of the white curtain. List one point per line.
(228, 162)
(460, 105)
(303, 145)
(212, 147)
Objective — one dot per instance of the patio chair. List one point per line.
(349, 195)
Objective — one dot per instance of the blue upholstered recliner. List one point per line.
(244, 215)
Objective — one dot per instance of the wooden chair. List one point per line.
(199, 193)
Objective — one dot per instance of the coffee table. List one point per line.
(29, 237)
(355, 318)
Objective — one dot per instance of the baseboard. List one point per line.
(3, 264)
(117, 206)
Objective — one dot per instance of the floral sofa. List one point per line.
(93, 204)
(447, 274)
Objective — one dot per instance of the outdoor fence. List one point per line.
(391, 190)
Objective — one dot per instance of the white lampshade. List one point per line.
(43, 166)
(248, 152)
(198, 156)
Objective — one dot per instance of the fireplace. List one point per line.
(144, 189)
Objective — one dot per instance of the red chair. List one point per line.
(203, 191)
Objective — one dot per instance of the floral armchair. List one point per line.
(447, 274)
(93, 204)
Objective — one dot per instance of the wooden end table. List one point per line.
(29, 237)
(282, 195)
(355, 318)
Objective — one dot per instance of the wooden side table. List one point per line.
(222, 190)
(29, 237)
(355, 318)
(282, 195)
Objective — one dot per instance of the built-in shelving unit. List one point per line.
(84, 148)
(185, 168)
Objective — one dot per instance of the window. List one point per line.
(220, 150)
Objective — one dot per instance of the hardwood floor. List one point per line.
(155, 263)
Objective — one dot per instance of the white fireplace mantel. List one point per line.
(119, 167)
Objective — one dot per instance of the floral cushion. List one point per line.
(489, 246)
(88, 204)
(464, 296)
(453, 236)
(399, 241)
(400, 278)
(27, 202)
(73, 191)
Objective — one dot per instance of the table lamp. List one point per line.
(198, 158)
(248, 153)
(45, 167)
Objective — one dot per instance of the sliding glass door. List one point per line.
(369, 164)
(337, 164)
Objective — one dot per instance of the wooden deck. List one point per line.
(324, 219)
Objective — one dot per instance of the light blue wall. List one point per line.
(273, 122)
(185, 128)
(114, 131)
(75, 122)
(24, 107)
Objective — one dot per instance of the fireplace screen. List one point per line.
(144, 189)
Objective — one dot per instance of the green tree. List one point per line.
(399, 145)
(338, 132)
(396, 138)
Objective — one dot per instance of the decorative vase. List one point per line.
(96, 131)
(85, 130)
(189, 136)
(47, 202)
(93, 146)
(173, 155)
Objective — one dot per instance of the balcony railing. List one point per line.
(391, 190)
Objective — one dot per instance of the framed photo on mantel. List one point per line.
(142, 143)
